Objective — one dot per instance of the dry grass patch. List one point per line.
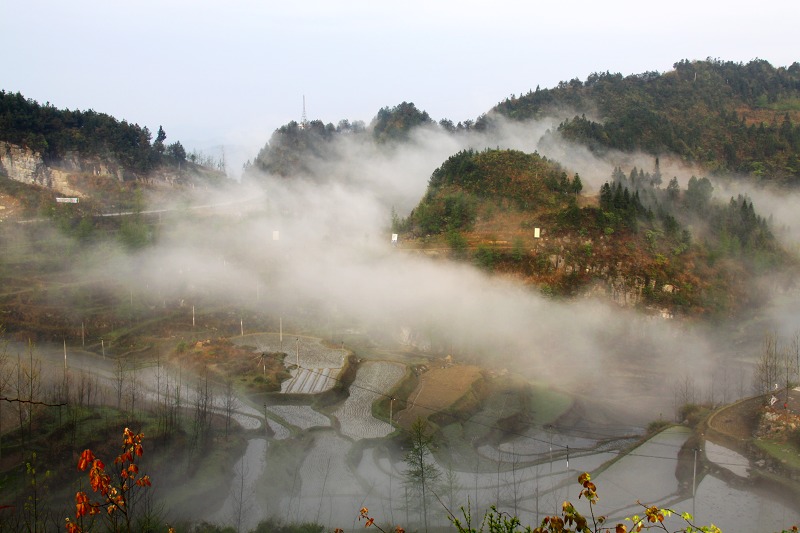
(222, 358)
(438, 390)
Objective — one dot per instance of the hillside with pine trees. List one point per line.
(667, 249)
(724, 116)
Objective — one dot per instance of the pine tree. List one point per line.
(422, 474)
(158, 144)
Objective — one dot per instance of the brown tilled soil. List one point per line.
(438, 389)
(741, 420)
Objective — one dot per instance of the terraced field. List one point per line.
(310, 380)
(355, 414)
(438, 389)
(302, 416)
(310, 352)
(328, 491)
(317, 366)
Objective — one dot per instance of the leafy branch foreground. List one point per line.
(570, 520)
(117, 493)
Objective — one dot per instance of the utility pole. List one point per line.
(694, 481)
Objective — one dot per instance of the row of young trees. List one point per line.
(55, 408)
(778, 366)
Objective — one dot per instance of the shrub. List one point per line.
(656, 425)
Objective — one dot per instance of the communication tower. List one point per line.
(304, 120)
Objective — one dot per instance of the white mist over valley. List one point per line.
(312, 256)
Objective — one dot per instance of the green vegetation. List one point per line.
(507, 174)
(293, 149)
(395, 124)
(547, 404)
(55, 133)
(726, 116)
(683, 249)
(471, 185)
(788, 453)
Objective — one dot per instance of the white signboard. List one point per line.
(535, 233)
(394, 238)
(67, 200)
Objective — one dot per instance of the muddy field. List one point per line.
(439, 389)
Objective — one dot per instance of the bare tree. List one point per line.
(791, 355)
(133, 387)
(421, 474)
(795, 350)
(119, 379)
(768, 367)
(452, 487)
(35, 514)
(204, 406)
(5, 380)
(169, 409)
(685, 395)
(229, 405)
(514, 482)
(28, 389)
(176, 402)
(241, 500)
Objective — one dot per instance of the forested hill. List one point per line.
(674, 250)
(53, 133)
(724, 116)
(293, 148)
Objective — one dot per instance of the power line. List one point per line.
(434, 410)
(564, 448)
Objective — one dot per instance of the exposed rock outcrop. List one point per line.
(23, 164)
(27, 166)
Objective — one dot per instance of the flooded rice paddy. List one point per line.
(528, 475)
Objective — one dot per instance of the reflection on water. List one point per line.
(239, 507)
(727, 459)
(739, 509)
(522, 477)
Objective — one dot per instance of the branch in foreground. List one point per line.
(31, 402)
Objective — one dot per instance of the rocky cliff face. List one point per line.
(22, 164)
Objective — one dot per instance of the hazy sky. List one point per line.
(233, 71)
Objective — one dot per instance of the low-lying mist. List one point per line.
(321, 244)
(313, 255)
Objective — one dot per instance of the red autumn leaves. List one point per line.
(114, 497)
